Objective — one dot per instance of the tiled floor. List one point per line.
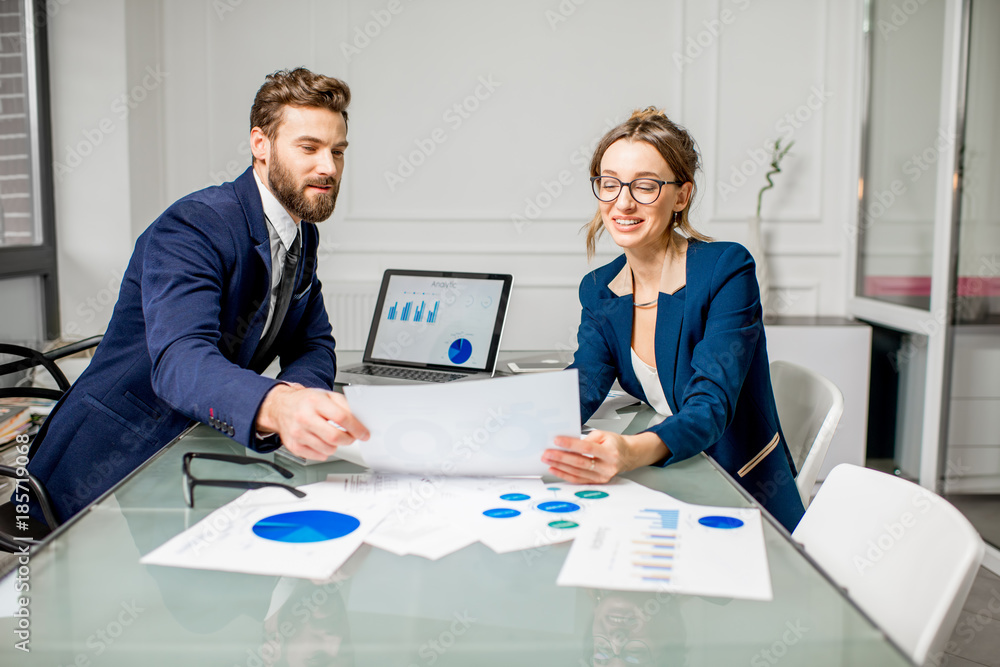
(976, 640)
(983, 511)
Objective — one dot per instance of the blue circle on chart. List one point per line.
(501, 513)
(558, 506)
(306, 526)
(460, 351)
(724, 522)
(515, 496)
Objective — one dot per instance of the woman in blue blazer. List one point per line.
(677, 321)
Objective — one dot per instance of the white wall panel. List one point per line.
(502, 185)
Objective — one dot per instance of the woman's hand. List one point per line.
(601, 455)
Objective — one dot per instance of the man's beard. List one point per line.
(293, 197)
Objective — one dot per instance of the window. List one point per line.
(27, 220)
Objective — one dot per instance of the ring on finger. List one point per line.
(593, 463)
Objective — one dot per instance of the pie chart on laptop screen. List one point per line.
(460, 351)
(306, 526)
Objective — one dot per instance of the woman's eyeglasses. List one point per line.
(643, 190)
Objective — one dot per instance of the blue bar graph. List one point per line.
(419, 315)
(431, 316)
(667, 518)
(405, 317)
(392, 311)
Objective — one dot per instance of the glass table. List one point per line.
(93, 603)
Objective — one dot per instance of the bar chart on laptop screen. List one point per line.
(445, 321)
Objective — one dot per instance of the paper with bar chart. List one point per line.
(445, 321)
(672, 547)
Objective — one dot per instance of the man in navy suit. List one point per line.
(222, 283)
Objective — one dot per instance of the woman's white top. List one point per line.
(650, 381)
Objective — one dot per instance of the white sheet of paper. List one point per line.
(530, 513)
(422, 523)
(491, 427)
(226, 539)
(614, 400)
(668, 547)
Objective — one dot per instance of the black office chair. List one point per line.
(17, 532)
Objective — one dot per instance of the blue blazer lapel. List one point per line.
(669, 319)
(253, 211)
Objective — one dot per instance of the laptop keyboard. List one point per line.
(404, 373)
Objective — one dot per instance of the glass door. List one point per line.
(907, 206)
(972, 470)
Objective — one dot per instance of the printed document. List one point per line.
(496, 427)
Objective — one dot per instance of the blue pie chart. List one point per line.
(723, 522)
(306, 526)
(460, 351)
(558, 506)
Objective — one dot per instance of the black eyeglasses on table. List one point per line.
(190, 481)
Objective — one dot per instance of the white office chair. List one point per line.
(905, 555)
(809, 408)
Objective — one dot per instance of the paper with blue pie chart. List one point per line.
(268, 531)
(671, 546)
(531, 513)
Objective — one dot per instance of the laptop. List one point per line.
(433, 326)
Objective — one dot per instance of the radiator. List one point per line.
(350, 306)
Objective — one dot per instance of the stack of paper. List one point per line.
(671, 546)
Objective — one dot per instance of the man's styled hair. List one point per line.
(298, 88)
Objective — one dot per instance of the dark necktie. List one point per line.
(286, 288)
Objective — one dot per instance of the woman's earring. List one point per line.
(677, 217)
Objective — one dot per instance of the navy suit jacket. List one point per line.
(711, 359)
(189, 317)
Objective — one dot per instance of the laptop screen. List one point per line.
(439, 319)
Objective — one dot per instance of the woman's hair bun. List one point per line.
(647, 113)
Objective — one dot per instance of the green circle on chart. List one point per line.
(594, 495)
(562, 524)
